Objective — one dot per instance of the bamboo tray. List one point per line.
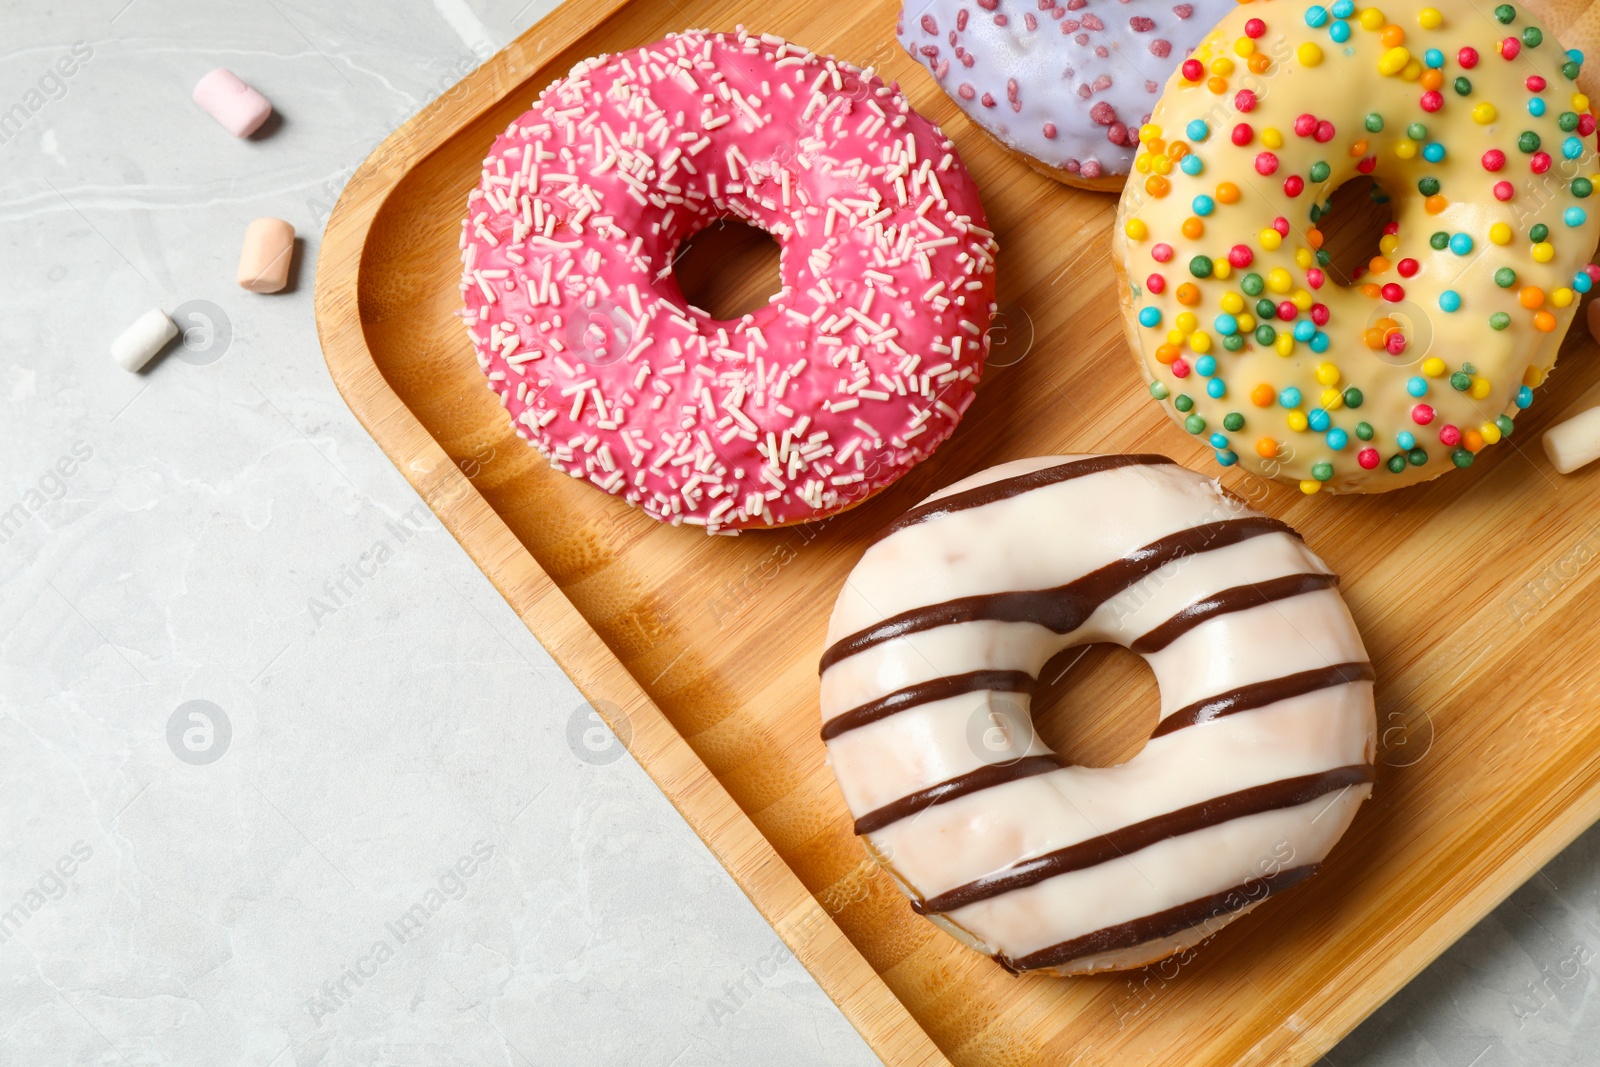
(1474, 594)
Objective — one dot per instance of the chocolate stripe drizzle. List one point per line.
(1260, 694)
(926, 693)
(1166, 923)
(1284, 793)
(985, 777)
(1006, 488)
(1238, 598)
(1064, 608)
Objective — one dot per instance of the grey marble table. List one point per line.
(283, 780)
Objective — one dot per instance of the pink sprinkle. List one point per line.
(1183, 11)
(1494, 159)
(1408, 268)
(1395, 342)
(1244, 100)
(1540, 162)
(1294, 185)
(1140, 24)
(1180, 368)
(1305, 125)
(1368, 165)
(1535, 83)
(1509, 48)
(1393, 293)
(1092, 22)
(1266, 163)
(1091, 168)
(1050, 131)
(1368, 458)
(1468, 58)
(1254, 28)
(1315, 278)
(1156, 284)
(1504, 190)
(1161, 253)
(1118, 135)
(1242, 134)
(1160, 48)
(1103, 114)
(1586, 124)
(929, 25)
(1391, 228)
(966, 91)
(1281, 224)
(1422, 414)
(1240, 256)
(1031, 21)
(1192, 70)
(987, 100)
(1001, 20)
(1450, 436)
(1432, 100)
(1287, 311)
(1320, 314)
(1325, 132)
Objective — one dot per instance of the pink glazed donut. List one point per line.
(858, 367)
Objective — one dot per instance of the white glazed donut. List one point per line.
(1064, 83)
(1263, 753)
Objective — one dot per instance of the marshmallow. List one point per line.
(139, 343)
(264, 262)
(1575, 442)
(231, 102)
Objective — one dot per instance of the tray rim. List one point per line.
(750, 859)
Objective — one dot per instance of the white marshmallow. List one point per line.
(139, 343)
(1574, 443)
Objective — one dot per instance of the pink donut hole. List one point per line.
(231, 102)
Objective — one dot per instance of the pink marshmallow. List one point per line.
(231, 102)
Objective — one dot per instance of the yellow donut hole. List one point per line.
(1308, 54)
(1327, 374)
(1297, 421)
(1279, 280)
(1429, 18)
(1544, 252)
(1500, 233)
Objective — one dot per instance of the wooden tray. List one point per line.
(1474, 593)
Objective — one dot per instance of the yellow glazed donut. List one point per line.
(1471, 121)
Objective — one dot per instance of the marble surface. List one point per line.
(284, 781)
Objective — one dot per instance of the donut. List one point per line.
(1474, 127)
(857, 368)
(1065, 84)
(1263, 751)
